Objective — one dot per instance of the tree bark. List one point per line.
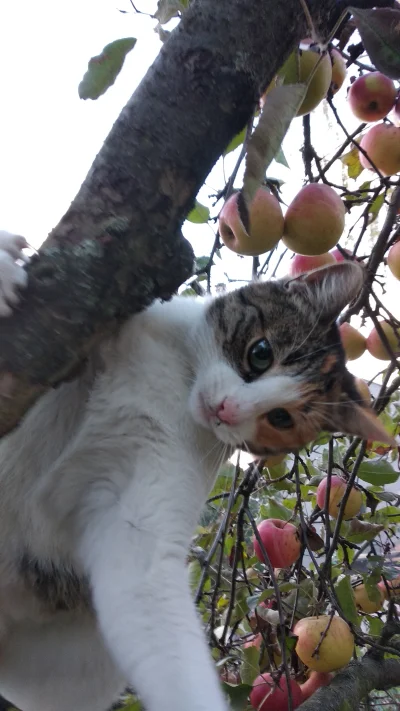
(119, 245)
(353, 684)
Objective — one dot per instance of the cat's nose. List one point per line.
(227, 412)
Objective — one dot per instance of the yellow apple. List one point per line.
(338, 70)
(364, 602)
(393, 260)
(354, 343)
(336, 493)
(334, 651)
(297, 69)
(376, 346)
(382, 144)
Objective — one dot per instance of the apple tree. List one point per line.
(294, 109)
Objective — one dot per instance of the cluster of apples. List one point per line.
(324, 644)
(371, 97)
(313, 223)
(355, 344)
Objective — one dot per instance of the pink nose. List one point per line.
(227, 412)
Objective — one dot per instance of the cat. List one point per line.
(105, 478)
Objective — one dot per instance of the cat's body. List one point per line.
(102, 484)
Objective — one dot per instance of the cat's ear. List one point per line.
(361, 421)
(331, 288)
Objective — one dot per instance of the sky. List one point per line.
(49, 136)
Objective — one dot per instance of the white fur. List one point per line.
(109, 474)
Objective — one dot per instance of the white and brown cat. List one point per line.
(102, 484)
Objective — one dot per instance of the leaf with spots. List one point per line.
(104, 69)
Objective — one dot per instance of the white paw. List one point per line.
(13, 276)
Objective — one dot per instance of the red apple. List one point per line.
(268, 695)
(396, 112)
(300, 263)
(335, 642)
(372, 96)
(314, 220)
(281, 542)
(265, 229)
(393, 260)
(314, 682)
(338, 70)
(339, 256)
(354, 343)
(336, 493)
(382, 143)
(376, 346)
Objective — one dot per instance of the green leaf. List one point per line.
(273, 509)
(201, 263)
(375, 626)
(135, 706)
(235, 142)
(237, 695)
(167, 9)
(254, 600)
(380, 33)
(371, 581)
(375, 208)
(344, 594)
(279, 109)
(104, 69)
(281, 158)
(378, 471)
(199, 214)
(352, 161)
(249, 668)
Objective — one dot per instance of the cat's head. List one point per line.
(271, 370)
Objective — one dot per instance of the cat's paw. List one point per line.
(13, 276)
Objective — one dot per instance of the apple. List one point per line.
(298, 68)
(314, 220)
(270, 695)
(336, 493)
(314, 682)
(393, 585)
(376, 347)
(339, 256)
(382, 143)
(372, 96)
(364, 602)
(393, 260)
(254, 641)
(338, 70)
(354, 343)
(281, 542)
(265, 229)
(334, 651)
(301, 263)
(363, 389)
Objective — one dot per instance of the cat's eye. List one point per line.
(260, 356)
(280, 418)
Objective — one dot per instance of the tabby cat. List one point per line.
(103, 482)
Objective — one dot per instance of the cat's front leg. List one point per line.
(135, 553)
(13, 276)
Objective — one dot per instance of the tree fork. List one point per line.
(119, 245)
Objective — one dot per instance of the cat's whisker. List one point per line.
(317, 350)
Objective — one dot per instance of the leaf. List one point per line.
(345, 596)
(360, 531)
(194, 572)
(237, 695)
(167, 9)
(360, 194)
(380, 33)
(235, 142)
(281, 158)
(273, 509)
(375, 207)
(375, 626)
(199, 214)
(378, 471)
(135, 706)
(254, 600)
(352, 161)
(249, 668)
(371, 581)
(280, 108)
(103, 70)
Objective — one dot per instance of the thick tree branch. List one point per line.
(119, 245)
(354, 683)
